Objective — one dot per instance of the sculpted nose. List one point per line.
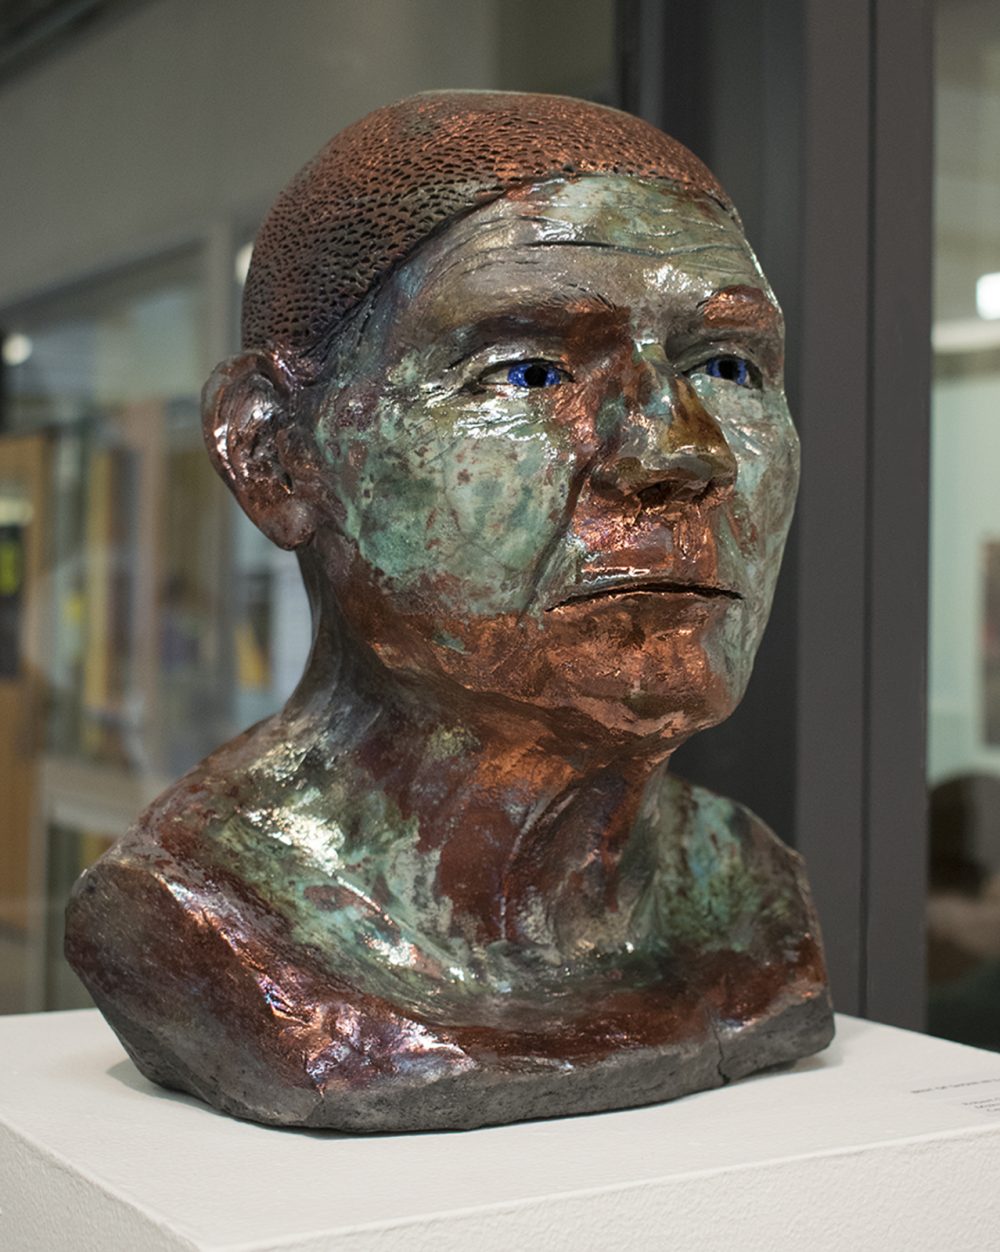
(669, 447)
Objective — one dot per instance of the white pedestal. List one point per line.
(888, 1141)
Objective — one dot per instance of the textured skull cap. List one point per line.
(388, 181)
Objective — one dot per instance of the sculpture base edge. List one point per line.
(496, 1096)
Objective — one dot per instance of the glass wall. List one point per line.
(143, 619)
(964, 693)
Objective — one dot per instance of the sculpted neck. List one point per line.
(517, 804)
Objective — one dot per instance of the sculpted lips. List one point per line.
(613, 587)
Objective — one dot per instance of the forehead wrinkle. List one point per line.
(656, 211)
(693, 249)
(454, 253)
(718, 253)
(654, 225)
(560, 230)
(504, 256)
(640, 242)
(467, 274)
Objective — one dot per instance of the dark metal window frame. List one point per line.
(818, 118)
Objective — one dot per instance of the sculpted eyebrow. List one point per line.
(577, 321)
(740, 308)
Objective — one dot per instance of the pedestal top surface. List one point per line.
(69, 1093)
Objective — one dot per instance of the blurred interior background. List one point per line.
(143, 620)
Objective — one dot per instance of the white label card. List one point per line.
(981, 1095)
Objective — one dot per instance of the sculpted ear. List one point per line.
(257, 449)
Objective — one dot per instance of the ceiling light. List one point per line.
(17, 348)
(988, 295)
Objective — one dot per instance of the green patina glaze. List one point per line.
(356, 888)
(706, 891)
(448, 742)
(483, 496)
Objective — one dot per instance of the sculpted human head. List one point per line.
(533, 439)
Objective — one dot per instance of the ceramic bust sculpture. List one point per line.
(511, 388)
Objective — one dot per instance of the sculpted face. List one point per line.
(558, 458)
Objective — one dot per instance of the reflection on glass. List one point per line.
(964, 726)
(139, 618)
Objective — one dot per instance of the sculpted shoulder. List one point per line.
(270, 841)
(691, 812)
(198, 859)
(231, 784)
(719, 874)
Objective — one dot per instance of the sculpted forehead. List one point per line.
(631, 213)
(645, 247)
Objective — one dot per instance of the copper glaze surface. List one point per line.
(536, 462)
(384, 184)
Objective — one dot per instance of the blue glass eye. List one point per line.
(731, 369)
(534, 374)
